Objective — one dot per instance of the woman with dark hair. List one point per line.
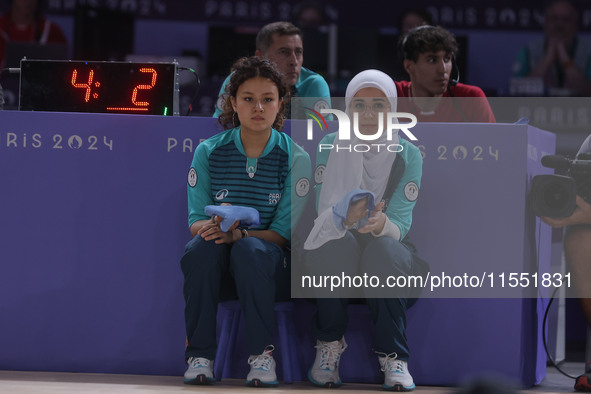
(250, 164)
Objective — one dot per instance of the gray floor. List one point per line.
(555, 382)
(14, 382)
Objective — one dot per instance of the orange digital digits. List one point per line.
(99, 87)
(144, 87)
(86, 86)
(140, 105)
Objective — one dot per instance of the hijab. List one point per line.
(349, 170)
(364, 170)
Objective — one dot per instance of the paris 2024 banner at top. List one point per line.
(455, 14)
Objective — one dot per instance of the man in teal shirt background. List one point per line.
(281, 42)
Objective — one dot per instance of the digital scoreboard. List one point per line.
(107, 87)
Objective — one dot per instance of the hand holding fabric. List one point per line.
(212, 232)
(230, 214)
(353, 207)
(377, 220)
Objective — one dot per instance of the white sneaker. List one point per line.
(325, 370)
(200, 371)
(262, 369)
(396, 375)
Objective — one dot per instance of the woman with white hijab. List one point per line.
(365, 199)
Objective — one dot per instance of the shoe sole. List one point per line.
(259, 383)
(200, 380)
(583, 384)
(328, 385)
(399, 388)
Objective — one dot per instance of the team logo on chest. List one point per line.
(251, 167)
(220, 195)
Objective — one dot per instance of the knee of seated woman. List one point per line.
(200, 245)
(255, 250)
(387, 252)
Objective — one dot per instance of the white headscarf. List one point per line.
(350, 170)
(369, 170)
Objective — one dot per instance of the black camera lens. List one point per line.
(553, 195)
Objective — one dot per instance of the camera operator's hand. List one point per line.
(581, 215)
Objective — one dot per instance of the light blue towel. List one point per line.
(342, 207)
(249, 217)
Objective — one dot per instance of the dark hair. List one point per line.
(550, 3)
(422, 13)
(265, 35)
(427, 38)
(309, 5)
(247, 68)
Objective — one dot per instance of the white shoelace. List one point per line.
(262, 361)
(391, 362)
(330, 354)
(196, 362)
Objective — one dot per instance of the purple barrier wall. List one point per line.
(92, 236)
(93, 225)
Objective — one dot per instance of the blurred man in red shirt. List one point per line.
(24, 23)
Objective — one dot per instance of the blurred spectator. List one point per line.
(561, 59)
(24, 23)
(310, 14)
(409, 20)
(413, 18)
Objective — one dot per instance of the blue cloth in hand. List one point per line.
(249, 217)
(342, 207)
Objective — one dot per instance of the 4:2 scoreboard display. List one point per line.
(106, 87)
